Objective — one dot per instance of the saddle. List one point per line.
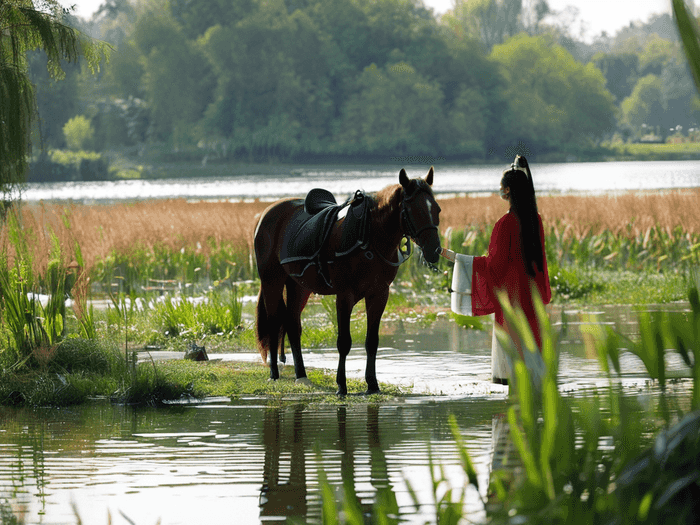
(310, 228)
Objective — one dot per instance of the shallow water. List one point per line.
(245, 462)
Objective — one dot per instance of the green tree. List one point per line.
(269, 86)
(176, 80)
(645, 105)
(553, 100)
(395, 111)
(621, 71)
(79, 133)
(655, 56)
(56, 100)
(23, 28)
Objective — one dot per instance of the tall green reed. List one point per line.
(32, 323)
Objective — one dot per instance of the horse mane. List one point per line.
(388, 199)
(385, 201)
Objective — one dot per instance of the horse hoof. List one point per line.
(304, 381)
(340, 393)
(269, 379)
(283, 359)
(372, 392)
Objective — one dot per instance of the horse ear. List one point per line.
(403, 178)
(429, 178)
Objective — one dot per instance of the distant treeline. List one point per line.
(297, 80)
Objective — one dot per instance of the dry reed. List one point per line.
(630, 213)
(104, 229)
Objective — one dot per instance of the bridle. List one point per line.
(409, 229)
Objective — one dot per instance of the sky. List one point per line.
(597, 15)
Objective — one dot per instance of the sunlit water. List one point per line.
(244, 462)
(345, 180)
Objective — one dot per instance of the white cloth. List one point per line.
(462, 284)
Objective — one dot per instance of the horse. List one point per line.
(407, 210)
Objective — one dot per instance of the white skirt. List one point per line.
(500, 362)
(461, 303)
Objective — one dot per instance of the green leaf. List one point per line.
(688, 30)
(526, 454)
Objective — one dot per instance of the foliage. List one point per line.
(690, 37)
(542, 83)
(79, 133)
(645, 104)
(196, 319)
(386, 78)
(24, 28)
(411, 117)
(35, 323)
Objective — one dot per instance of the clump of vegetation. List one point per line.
(603, 458)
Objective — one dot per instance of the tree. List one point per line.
(645, 105)
(395, 111)
(554, 100)
(177, 81)
(490, 21)
(620, 71)
(23, 27)
(79, 133)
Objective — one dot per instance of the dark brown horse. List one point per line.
(402, 210)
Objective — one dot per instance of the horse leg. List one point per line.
(271, 293)
(296, 301)
(375, 305)
(343, 307)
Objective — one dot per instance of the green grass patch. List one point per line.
(235, 379)
(586, 286)
(685, 150)
(79, 369)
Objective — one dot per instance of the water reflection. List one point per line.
(288, 498)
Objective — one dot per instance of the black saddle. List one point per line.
(310, 228)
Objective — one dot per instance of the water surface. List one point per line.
(344, 180)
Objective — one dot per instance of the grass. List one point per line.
(669, 151)
(77, 370)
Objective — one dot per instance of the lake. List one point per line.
(248, 461)
(273, 182)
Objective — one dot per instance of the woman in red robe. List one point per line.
(516, 260)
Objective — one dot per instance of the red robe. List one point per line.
(504, 268)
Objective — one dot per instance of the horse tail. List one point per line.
(262, 327)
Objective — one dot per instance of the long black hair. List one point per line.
(524, 204)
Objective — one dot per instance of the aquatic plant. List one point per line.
(215, 313)
(33, 303)
(589, 460)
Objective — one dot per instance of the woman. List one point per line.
(516, 262)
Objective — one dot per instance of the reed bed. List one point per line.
(103, 230)
(173, 239)
(630, 213)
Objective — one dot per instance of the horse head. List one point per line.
(420, 214)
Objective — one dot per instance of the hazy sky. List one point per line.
(597, 15)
